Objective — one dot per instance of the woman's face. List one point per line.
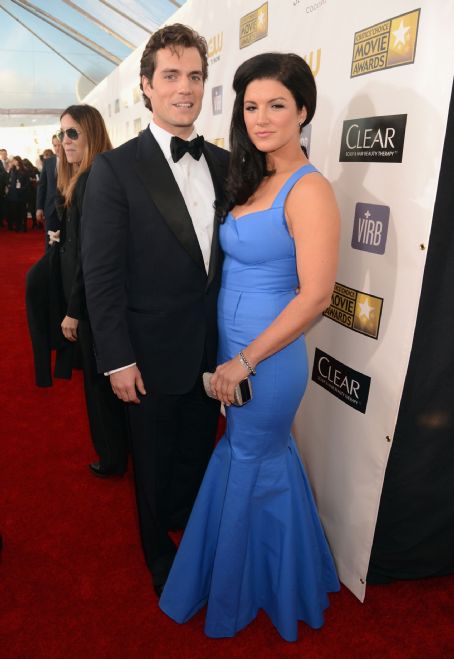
(76, 145)
(271, 116)
(14, 163)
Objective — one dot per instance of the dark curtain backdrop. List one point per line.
(414, 536)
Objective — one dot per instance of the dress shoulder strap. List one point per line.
(290, 182)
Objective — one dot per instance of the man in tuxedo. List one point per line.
(151, 266)
(46, 192)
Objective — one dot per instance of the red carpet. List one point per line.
(73, 582)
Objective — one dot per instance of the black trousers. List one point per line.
(17, 215)
(172, 438)
(107, 415)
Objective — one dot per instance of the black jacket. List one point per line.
(18, 194)
(46, 193)
(45, 311)
(149, 298)
(70, 256)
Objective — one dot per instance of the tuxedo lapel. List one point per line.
(156, 175)
(217, 175)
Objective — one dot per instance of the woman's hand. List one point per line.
(54, 236)
(69, 328)
(225, 379)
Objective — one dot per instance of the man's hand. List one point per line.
(126, 383)
(69, 328)
(40, 215)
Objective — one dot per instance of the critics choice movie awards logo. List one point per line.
(254, 26)
(215, 45)
(370, 227)
(218, 141)
(360, 312)
(373, 139)
(350, 386)
(384, 45)
(216, 99)
(313, 60)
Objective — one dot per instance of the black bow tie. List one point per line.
(179, 147)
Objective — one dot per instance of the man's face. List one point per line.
(176, 90)
(56, 145)
(3, 154)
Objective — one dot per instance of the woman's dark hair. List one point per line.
(174, 37)
(94, 128)
(247, 164)
(20, 163)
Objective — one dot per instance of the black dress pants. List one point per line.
(17, 215)
(172, 438)
(106, 414)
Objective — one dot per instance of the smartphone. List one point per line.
(243, 390)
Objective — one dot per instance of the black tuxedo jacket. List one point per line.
(149, 298)
(46, 193)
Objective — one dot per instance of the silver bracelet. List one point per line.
(246, 364)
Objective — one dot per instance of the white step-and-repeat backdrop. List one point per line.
(384, 73)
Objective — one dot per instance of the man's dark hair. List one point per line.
(173, 37)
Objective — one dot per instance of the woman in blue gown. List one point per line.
(254, 540)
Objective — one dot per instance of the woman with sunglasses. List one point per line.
(83, 135)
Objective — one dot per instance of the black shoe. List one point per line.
(158, 588)
(97, 469)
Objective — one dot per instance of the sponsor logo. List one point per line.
(314, 61)
(216, 99)
(360, 312)
(305, 138)
(350, 386)
(218, 141)
(385, 45)
(254, 26)
(370, 228)
(215, 47)
(373, 139)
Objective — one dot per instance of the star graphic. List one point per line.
(367, 215)
(400, 34)
(260, 17)
(365, 308)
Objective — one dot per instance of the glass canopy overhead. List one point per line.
(53, 52)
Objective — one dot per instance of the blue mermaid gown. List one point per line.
(254, 539)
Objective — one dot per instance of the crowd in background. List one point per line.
(19, 185)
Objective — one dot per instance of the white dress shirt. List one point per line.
(196, 186)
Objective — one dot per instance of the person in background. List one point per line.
(4, 178)
(46, 193)
(83, 135)
(33, 175)
(254, 540)
(4, 160)
(18, 187)
(151, 266)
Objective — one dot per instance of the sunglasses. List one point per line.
(72, 133)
